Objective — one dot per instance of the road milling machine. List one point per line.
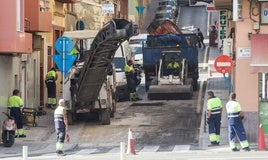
(89, 86)
(160, 83)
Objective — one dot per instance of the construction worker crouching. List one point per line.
(50, 81)
(131, 81)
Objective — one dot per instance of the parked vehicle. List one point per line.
(159, 50)
(167, 8)
(8, 131)
(186, 2)
(136, 44)
(207, 1)
(172, 3)
(89, 86)
(136, 49)
(164, 15)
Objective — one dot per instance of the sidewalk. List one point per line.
(40, 139)
(219, 86)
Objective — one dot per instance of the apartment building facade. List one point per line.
(243, 24)
(27, 41)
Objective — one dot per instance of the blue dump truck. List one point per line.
(163, 82)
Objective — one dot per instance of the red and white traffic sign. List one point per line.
(223, 64)
(210, 7)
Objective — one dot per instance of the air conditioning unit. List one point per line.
(227, 47)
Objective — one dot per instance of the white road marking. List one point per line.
(87, 151)
(115, 150)
(181, 148)
(149, 149)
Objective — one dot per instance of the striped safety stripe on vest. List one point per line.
(232, 115)
(59, 122)
(216, 110)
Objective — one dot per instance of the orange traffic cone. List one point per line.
(130, 148)
(261, 139)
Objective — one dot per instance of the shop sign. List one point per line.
(108, 8)
(244, 52)
(222, 26)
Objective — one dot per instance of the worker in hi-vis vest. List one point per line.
(51, 78)
(214, 110)
(15, 105)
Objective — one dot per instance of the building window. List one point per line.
(70, 7)
(44, 5)
(19, 16)
(263, 87)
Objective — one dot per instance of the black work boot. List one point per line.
(247, 149)
(235, 149)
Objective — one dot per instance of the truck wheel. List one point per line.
(113, 109)
(104, 116)
(195, 85)
(70, 118)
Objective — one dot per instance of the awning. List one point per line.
(259, 53)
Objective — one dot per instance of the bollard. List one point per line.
(122, 151)
(25, 153)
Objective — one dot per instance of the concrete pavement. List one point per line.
(40, 139)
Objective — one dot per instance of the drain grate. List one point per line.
(148, 104)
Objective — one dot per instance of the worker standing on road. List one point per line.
(235, 124)
(214, 109)
(51, 78)
(61, 126)
(131, 81)
(15, 104)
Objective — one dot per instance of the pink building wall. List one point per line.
(11, 40)
(246, 82)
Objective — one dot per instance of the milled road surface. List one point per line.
(163, 123)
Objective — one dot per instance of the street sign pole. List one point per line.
(228, 82)
(63, 66)
(64, 60)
